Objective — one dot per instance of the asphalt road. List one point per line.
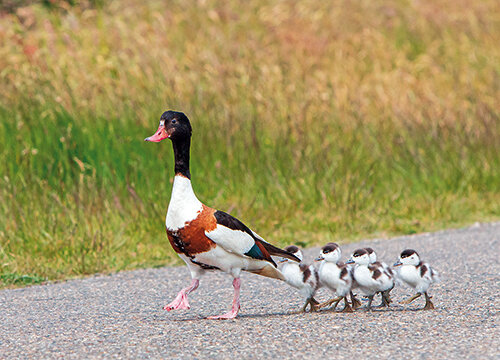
(121, 316)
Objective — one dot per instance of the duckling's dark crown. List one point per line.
(407, 253)
(360, 252)
(329, 248)
(369, 250)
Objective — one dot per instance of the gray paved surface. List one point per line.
(121, 316)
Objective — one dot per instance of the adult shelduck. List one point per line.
(205, 238)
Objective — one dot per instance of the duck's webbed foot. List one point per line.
(181, 301)
(409, 300)
(354, 301)
(428, 303)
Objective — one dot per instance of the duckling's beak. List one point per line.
(398, 263)
(350, 261)
(319, 258)
(159, 135)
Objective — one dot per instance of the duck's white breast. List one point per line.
(184, 206)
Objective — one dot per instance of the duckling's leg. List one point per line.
(181, 301)
(369, 305)
(354, 301)
(407, 301)
(303, 310)
(428, 303)
(314, 305)
(333, 301)
(347, 307)
(388, 295)
(236, 303)
(386, 300)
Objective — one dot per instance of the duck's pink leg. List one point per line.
(236, 303)
(181, 301)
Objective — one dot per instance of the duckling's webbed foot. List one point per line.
(333, 301)
(354, 301)
(347, 306)
(407, 301)
(314, 305)
(304, 308)
(428, 303)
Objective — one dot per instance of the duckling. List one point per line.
(334, 275)
(416, 274)
(385, 296)
(301, 276)
(370, 278)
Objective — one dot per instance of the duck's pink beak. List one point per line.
(159, 135)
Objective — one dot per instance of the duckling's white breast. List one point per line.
(329, 274)
(409, 274)
(364, 277)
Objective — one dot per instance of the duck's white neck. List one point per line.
(184, 205)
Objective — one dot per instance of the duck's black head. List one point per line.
(174, 125)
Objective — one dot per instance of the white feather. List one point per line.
(295, 277)
(184, 205)
(330, 276)
(369, 285)
(410, 275)
(235, 241)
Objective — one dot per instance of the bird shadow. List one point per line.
(323, 312)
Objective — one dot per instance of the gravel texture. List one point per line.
(121, 316)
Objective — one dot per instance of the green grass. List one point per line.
(16, 279)
(312, 123)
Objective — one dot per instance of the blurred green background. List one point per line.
(314, 121)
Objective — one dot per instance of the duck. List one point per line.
(419, 275)
(385, 296)
(203, 237)
(370, 278)
(335, 275)
(301, 276)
